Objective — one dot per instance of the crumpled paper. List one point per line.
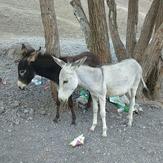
(78, 141)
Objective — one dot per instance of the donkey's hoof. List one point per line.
(104, 135)
(129, 124)
(73, 123)
(92, 128)
(104, 132)
(55, 120)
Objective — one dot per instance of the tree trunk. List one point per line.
(146, 32)
(82, 19)
(99, 32)
(117, 43)
(150, 60)
(158, 86)
(159, 80)
(51, 34)
(132, 22)
(159, 18)
(50, 27)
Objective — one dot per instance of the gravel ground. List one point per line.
(28, 135)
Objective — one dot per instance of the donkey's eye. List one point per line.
(65, 81)
(22, 72)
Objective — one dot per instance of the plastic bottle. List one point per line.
(37, 80)
(83, 98)
(121, 106)
(123, 109)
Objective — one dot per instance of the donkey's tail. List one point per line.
(145, 86)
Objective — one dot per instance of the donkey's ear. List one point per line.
(59, 61)
(23, 46)
(79, 62)
(37, 51)
(33, 56)
(24, 49)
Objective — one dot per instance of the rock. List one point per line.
(29, 118)
(16, 122)
(42, 112)
(25, 113)
(9, 130)
(31, 111)
(98, 151)
(47, 149)
(161, 123)
(2, 108)
(15, 104)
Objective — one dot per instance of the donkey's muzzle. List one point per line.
(63, 102)
(22, 88)
(21, 85)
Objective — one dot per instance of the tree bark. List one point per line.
(153, 51)
(52, 44)
(159, 18)
(99, 32)
(50, 27)
(159, 74)
(82, 19)
(117, 43)
(132, 22)
(159, 81)
(146, 32)
(150, 60)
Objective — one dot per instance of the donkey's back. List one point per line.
(92, 59)
(122, 76)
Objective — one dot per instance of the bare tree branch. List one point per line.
(146, 32)
(132, 22)
(117, 43)
(82, 19)
(153, 49)
(159, 18)
(159, 80)
(150, 60)
(159, 69)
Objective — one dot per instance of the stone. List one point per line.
(2, 108)
(15, 104)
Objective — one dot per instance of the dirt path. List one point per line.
(28, 135)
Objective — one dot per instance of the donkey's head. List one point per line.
(25, 70)
(68, 79)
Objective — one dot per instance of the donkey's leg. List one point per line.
(95, 112)
(89, 101)
(57, 112)
(54, 93)
(70, 104)
(129, 94)
(132, 105)
(102, 102)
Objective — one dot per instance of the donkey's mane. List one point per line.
(92, 59)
